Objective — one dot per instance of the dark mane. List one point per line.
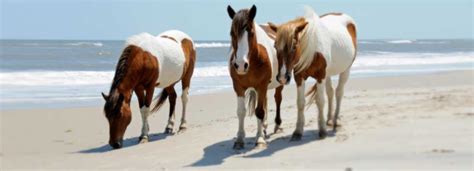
(115, 99)
(239, 23)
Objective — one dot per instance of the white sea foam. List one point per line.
(212, 71)
(76, 78)
(366, 42)
(397, 59)
(400, 41)
(431, 42)
(212, 45)
(55, 78)
(86, 44)
(90, 78)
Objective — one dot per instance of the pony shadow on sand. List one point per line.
(215, 154)
(126, 143)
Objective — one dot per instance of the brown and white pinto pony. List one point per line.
(147, 62)
(317, 47)
(253, 68)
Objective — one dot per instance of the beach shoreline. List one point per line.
(420, 121)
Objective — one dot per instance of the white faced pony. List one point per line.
(317, 47)
(253, 68)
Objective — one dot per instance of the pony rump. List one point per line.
(251, 99)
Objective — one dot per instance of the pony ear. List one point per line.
(230, 11)
(273, 26)
(300, 28)
(253, 12)
(105, 96)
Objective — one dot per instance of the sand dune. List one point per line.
(405, 122)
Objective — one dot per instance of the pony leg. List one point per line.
(184, 100)
(300, 102)
(343, 77)
(261, 115)
(320, 104)
(145, 112)
(278, 99)
(239, 143)
(172, 100)
(330, 94)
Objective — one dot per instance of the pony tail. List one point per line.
(161, 99)
(251, 98)
(312, 96)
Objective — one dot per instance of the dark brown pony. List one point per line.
(252, 67)
(139, 70)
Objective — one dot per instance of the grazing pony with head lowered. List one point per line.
(148, 62)
(317, 47)
(253, 68)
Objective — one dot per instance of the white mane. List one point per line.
(310, 40)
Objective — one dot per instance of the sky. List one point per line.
(208, 19)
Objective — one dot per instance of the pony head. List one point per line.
(119, 116)
(288, 46)
(243, 37)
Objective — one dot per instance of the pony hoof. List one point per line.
(260, 145)
(169, 131)
(238, 145)
(331, 122)
(278, 129)
(296, 137)
(182, 129)
(322, 134)
(143, 139)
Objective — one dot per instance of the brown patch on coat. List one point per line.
(317, 70)
(168, 37)
(331, 13)
(352, 31)
(190, 59)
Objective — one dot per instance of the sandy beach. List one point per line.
(418, 122)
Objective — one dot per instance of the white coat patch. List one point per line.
(169, 53)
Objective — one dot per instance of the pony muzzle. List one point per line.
(241, 67)
(284, 78)
(117, 144)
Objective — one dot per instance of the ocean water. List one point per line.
(70, 73)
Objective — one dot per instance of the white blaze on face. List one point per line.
(242, 52)
(281, 76)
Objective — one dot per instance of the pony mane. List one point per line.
(309, 40)
(238, 23)
(114, 101)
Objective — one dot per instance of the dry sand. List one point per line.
(406, 122)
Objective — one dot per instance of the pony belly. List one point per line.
(339, 64)
(169, 76)
(342, 56)
(170, 71)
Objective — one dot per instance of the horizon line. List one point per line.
(2, 39)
